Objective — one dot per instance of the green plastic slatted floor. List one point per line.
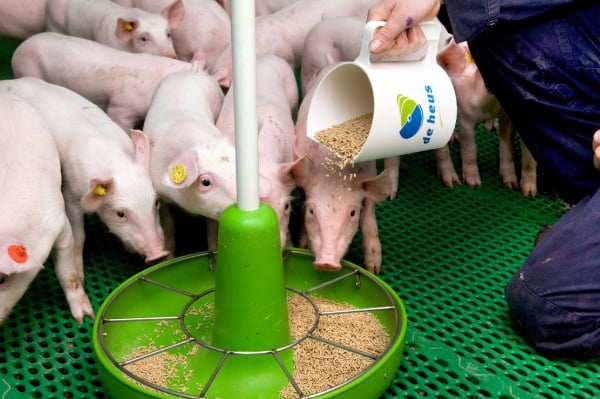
(447, 252)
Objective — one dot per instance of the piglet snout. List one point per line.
(327, 265)
(156, 257)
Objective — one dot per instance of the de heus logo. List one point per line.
(412, 115)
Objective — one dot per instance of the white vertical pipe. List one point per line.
(243, 44)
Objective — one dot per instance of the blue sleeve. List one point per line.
(470, 18)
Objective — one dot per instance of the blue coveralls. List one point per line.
(541, 58)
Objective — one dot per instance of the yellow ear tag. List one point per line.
(127, 26)
(178, 173)
(469, 57)
(100, 190)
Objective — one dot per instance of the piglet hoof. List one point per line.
(471, 177)
(529, 189)
(509, 180)
(529, 184)
(375, 269)
(448, 176)
(81, 308)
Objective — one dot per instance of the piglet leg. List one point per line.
(370, 237)
(506, 151)
(445, 167)
(392, 164)
(528, 172)
(68, 276)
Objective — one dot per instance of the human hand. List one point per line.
(596, 148)
(400, 35)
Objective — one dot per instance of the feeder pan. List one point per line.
(244, 348)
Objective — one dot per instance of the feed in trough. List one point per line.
(341, 344)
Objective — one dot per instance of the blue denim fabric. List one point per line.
(546, 73)
(471, 18)
(555, 295)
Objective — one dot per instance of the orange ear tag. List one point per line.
(18, 253)
(100, 190)
(178, 173)
(127, 26)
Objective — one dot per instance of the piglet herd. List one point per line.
(124, 108)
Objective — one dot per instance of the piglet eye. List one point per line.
(144, 38)
(352, 213)
(121, 216)
(206, 182)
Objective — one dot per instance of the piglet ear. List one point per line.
(302, 170)
(125, 28)
(15, 259)
(98, 189)
(174, 13)
(454, 58)
(182, 171)
(141, 148)
(285, 172)
(376, 188)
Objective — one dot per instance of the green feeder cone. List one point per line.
(250, 305)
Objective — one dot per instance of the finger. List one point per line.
(407, 42)
(596, 140)
(394, 26)
(596, 149)
(415, 38)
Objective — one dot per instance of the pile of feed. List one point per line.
(347, 138)
(318, 366)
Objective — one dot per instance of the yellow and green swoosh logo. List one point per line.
(411, 116)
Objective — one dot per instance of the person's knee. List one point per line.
(551, 329)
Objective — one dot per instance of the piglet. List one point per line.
(476, 105)
(191, 163)
(338, 199)
(330, 40)
(124, 28)
(120, 83)
(277, 102)
(20, 19)
(204, 31)
(33, 221)
(104, 170)
(283, 32)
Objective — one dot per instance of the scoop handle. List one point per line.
(426, 54)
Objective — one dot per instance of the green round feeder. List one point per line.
(241, 347)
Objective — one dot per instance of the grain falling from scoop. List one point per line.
(347, 138)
